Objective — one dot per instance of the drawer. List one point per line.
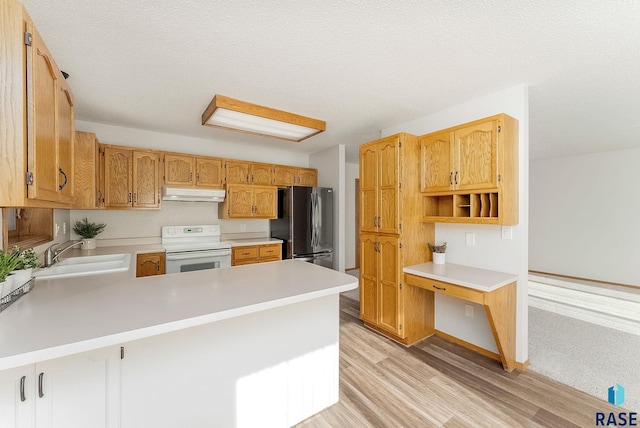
(458, 291)
(243, 253)
(244, 262)
(271, 251)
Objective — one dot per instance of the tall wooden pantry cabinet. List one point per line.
(392, 236)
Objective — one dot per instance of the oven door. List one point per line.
(187, 261)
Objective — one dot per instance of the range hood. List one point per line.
(192, 195)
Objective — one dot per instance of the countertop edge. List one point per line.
(64, 350)
(413, 271)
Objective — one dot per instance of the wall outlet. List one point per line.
(470, 239)
(468, 311)
(507, 232)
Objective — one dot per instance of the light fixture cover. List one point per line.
(235, 115)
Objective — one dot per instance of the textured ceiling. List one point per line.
(360, 65)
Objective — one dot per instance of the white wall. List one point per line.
(140, 224)
(351, 172)
(585, 213)
(490, 251)
(331, 166)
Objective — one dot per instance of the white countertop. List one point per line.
(252, 241)
(66, 316)
(465, 276)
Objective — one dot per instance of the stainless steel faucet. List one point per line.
(51, 254)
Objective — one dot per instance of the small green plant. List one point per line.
(88, 230)
(8, 262)
(438, 248)
(27, 259)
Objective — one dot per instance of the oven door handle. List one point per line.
(197, 255)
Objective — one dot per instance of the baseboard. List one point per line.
(519, 366)
(583, 279)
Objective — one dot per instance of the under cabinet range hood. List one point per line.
(192, 195)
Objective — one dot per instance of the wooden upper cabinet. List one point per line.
(380, 169)
(307, 177)
(464, 158)
(42, 90)
(295, 176)
(188, 171)
(118, 177)
(265, 201)
(237, 172)
(476, 148)
(249, 201)
(146, 180)
(131, 178)
(178, 170)
(437, 162)
(86, 169)
(209, 172)
(261, 174)
(66, 143)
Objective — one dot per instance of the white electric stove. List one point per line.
(191, 248)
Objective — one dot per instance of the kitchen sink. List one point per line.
(88, 265)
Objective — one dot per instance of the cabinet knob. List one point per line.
(158, 266)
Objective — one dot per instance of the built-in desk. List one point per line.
(496, 291)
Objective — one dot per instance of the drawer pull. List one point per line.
(40, 389)
(23, 397)
(246, 254)
(439, 288)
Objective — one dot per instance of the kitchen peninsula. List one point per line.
(242, 346)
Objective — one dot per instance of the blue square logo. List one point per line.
(616, 395)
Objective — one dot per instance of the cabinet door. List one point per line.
(368, 278)
(308, 177)
(437, 162)
(209, 172)
(150, 264)
(65, 143)
(284, 175)
(146, 183)
(368, 188)
(178, 170)
(262, 173)
(264, 201)
(42, 90)
(236, 172)
(240, 201)
(389, 272)
(388, 186)
(85, 170)
(16, 384)
(118, 177)
(79, 391)
(477, 156)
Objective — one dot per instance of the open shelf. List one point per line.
(463, 207)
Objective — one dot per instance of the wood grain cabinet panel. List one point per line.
(250, 254)
(249, 201)
(295, 176)
(209, 172)
(66, 143)
(86, 171)
(149, 264)
(131, 178)
(392, 236)
(237, 171)
(469, 173)
(261, 174)
(178, 170)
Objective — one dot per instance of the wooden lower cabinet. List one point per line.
(250, 254)
(149, 264)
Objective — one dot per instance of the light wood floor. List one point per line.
(439, 384)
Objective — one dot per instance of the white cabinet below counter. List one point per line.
(73, 392)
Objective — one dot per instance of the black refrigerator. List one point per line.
(305, 224)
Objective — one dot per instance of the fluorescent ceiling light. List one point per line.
(235, 115)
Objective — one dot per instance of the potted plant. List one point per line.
(8, 262)
(27, 262)
(88, 232)
(438, 252)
